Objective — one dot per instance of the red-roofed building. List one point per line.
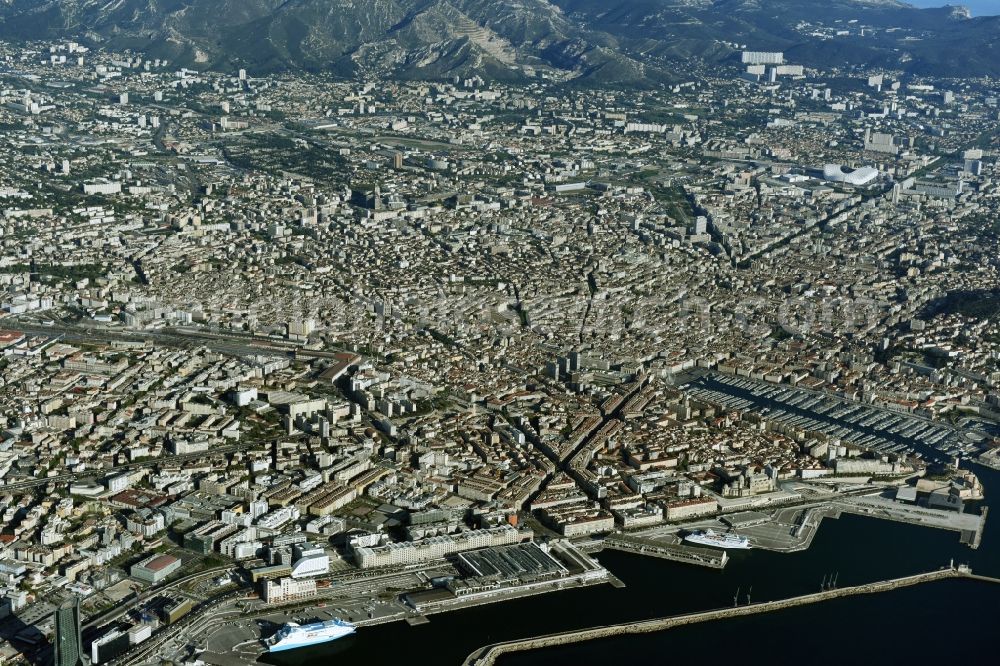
(134, 498)
(10, 338)
(155, 568)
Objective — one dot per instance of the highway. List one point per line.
(139, 653)
(356, 591)
(131, 602)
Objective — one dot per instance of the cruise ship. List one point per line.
(294, 635)
(716, 540)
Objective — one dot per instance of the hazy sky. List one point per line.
(978, 7)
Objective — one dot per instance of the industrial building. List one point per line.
(413, 552)
(155, 568)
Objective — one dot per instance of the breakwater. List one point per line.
(487, 656)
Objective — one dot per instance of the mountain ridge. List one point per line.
(639, 42)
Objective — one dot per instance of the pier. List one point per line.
(887, 509)
(977, 536)
(706, 557)
(487, 656)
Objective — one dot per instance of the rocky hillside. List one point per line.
(632, 42)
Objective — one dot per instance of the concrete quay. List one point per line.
(793, 528)
(487, 656)
(977, 537)
(887, 509)
(366, 602)
(706, 557)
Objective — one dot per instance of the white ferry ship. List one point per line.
(716, 540)
(294, 635)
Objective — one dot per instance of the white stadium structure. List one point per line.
(837, 174)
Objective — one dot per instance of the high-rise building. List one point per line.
(112, 644)
(69, 644)
(762, 58)
(880, 142)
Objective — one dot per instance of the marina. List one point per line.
(864, 424)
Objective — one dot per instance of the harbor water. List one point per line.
(946, 618)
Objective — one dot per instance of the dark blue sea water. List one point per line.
(950, 619)
(907, 626)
